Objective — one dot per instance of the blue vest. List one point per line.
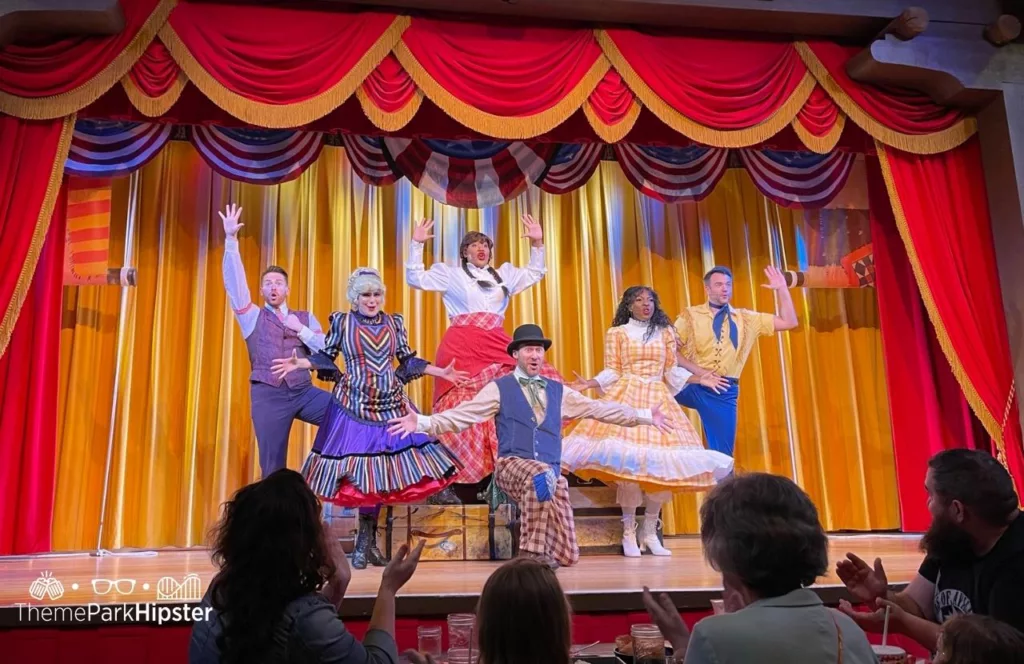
(519, 435)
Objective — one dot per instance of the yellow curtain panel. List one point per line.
(159, 372)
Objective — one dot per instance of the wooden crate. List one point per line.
(451, 532)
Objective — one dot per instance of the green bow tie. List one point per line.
(533, 387)
(538, 381)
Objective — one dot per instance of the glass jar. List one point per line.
(461, 632)
(648, 644)
(428, 640)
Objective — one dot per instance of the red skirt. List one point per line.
(478, 343)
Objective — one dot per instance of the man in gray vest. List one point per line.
(272, 332)
(528, 412)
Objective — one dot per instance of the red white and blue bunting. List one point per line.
(104, 149)
(471, 174)
(257, 156)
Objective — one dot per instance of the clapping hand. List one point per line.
(230, 218)
(401, 568)
(421, 231)
(668, 620)
(864, 583)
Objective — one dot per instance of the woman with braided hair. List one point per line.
(475, 296)
(355, 462)
(642, 370)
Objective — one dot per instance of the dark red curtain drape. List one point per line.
(28, 402)
(928, 410)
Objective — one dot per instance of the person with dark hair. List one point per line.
(528, 412)
(974, 554)
(762, 533)
(974, 639)
(275, 598)
(640, 366)
(523, 617)
(719, 338)
(270, 332)
(475, 297)
(355, 462)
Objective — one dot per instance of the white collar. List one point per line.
(640, 325)
(281, 311)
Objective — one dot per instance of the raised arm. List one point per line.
(246, 313)
(786, 318)
(575, 406)
(434, 279)
(518, 279)
(479, 409)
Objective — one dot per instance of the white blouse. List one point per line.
(462, 295)
(635, 330)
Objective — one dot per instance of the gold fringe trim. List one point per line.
(821, 144)
(500, 126)
(389, 120)
(983, 414)
(283, 116)
(154, 106)
(28, 268)
(941, 141)
(72, 101)
(612, 133)
(738, 138)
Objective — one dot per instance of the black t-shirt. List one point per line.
(991, 585)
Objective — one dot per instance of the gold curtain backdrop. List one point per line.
(161, 370)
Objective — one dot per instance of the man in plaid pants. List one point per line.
(528, 412)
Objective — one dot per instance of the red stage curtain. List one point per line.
(612, 109)
(904, 119)
(928, 410)
(820, 122)
(58, 78)
(388, 96)
(155, 82)
(28, 402)
(301, 70)
(508, 82)
(941, 210)
(723, 93)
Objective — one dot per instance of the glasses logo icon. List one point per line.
(46, 587)
(104, 586)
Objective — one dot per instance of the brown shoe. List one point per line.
(541, 558)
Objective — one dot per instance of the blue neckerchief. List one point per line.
(716, 324)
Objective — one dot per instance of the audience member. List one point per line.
(974, 639)
(762, 533)
(281, 581)
(523, 617)
(974, 550)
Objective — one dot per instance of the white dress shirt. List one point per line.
(462, 295)
(246, 312)
(675, 379)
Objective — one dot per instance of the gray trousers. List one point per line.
(274, 409)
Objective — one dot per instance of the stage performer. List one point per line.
(475, 296)
(272, 331)
(640, 366)
(528, 411)
(355, 461)
(719, 337)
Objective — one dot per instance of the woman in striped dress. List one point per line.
(355, 462)
(641, 371)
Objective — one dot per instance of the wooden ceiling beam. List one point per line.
(31, 21)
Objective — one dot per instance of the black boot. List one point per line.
(446, 496)
(359, 554)
(372, 553)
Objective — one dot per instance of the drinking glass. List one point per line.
(461, 632)
(648, 644)
(428, 640)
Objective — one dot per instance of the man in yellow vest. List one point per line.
(719, 338)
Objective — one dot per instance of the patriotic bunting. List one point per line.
(798, 179)
(469, 174)
(257, 156)
(672, 174)
(105, 149)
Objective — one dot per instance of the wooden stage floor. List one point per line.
(598, 583)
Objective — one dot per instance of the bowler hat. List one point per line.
(528, 335)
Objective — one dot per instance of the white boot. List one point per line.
(630, 549)
(650, 536)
